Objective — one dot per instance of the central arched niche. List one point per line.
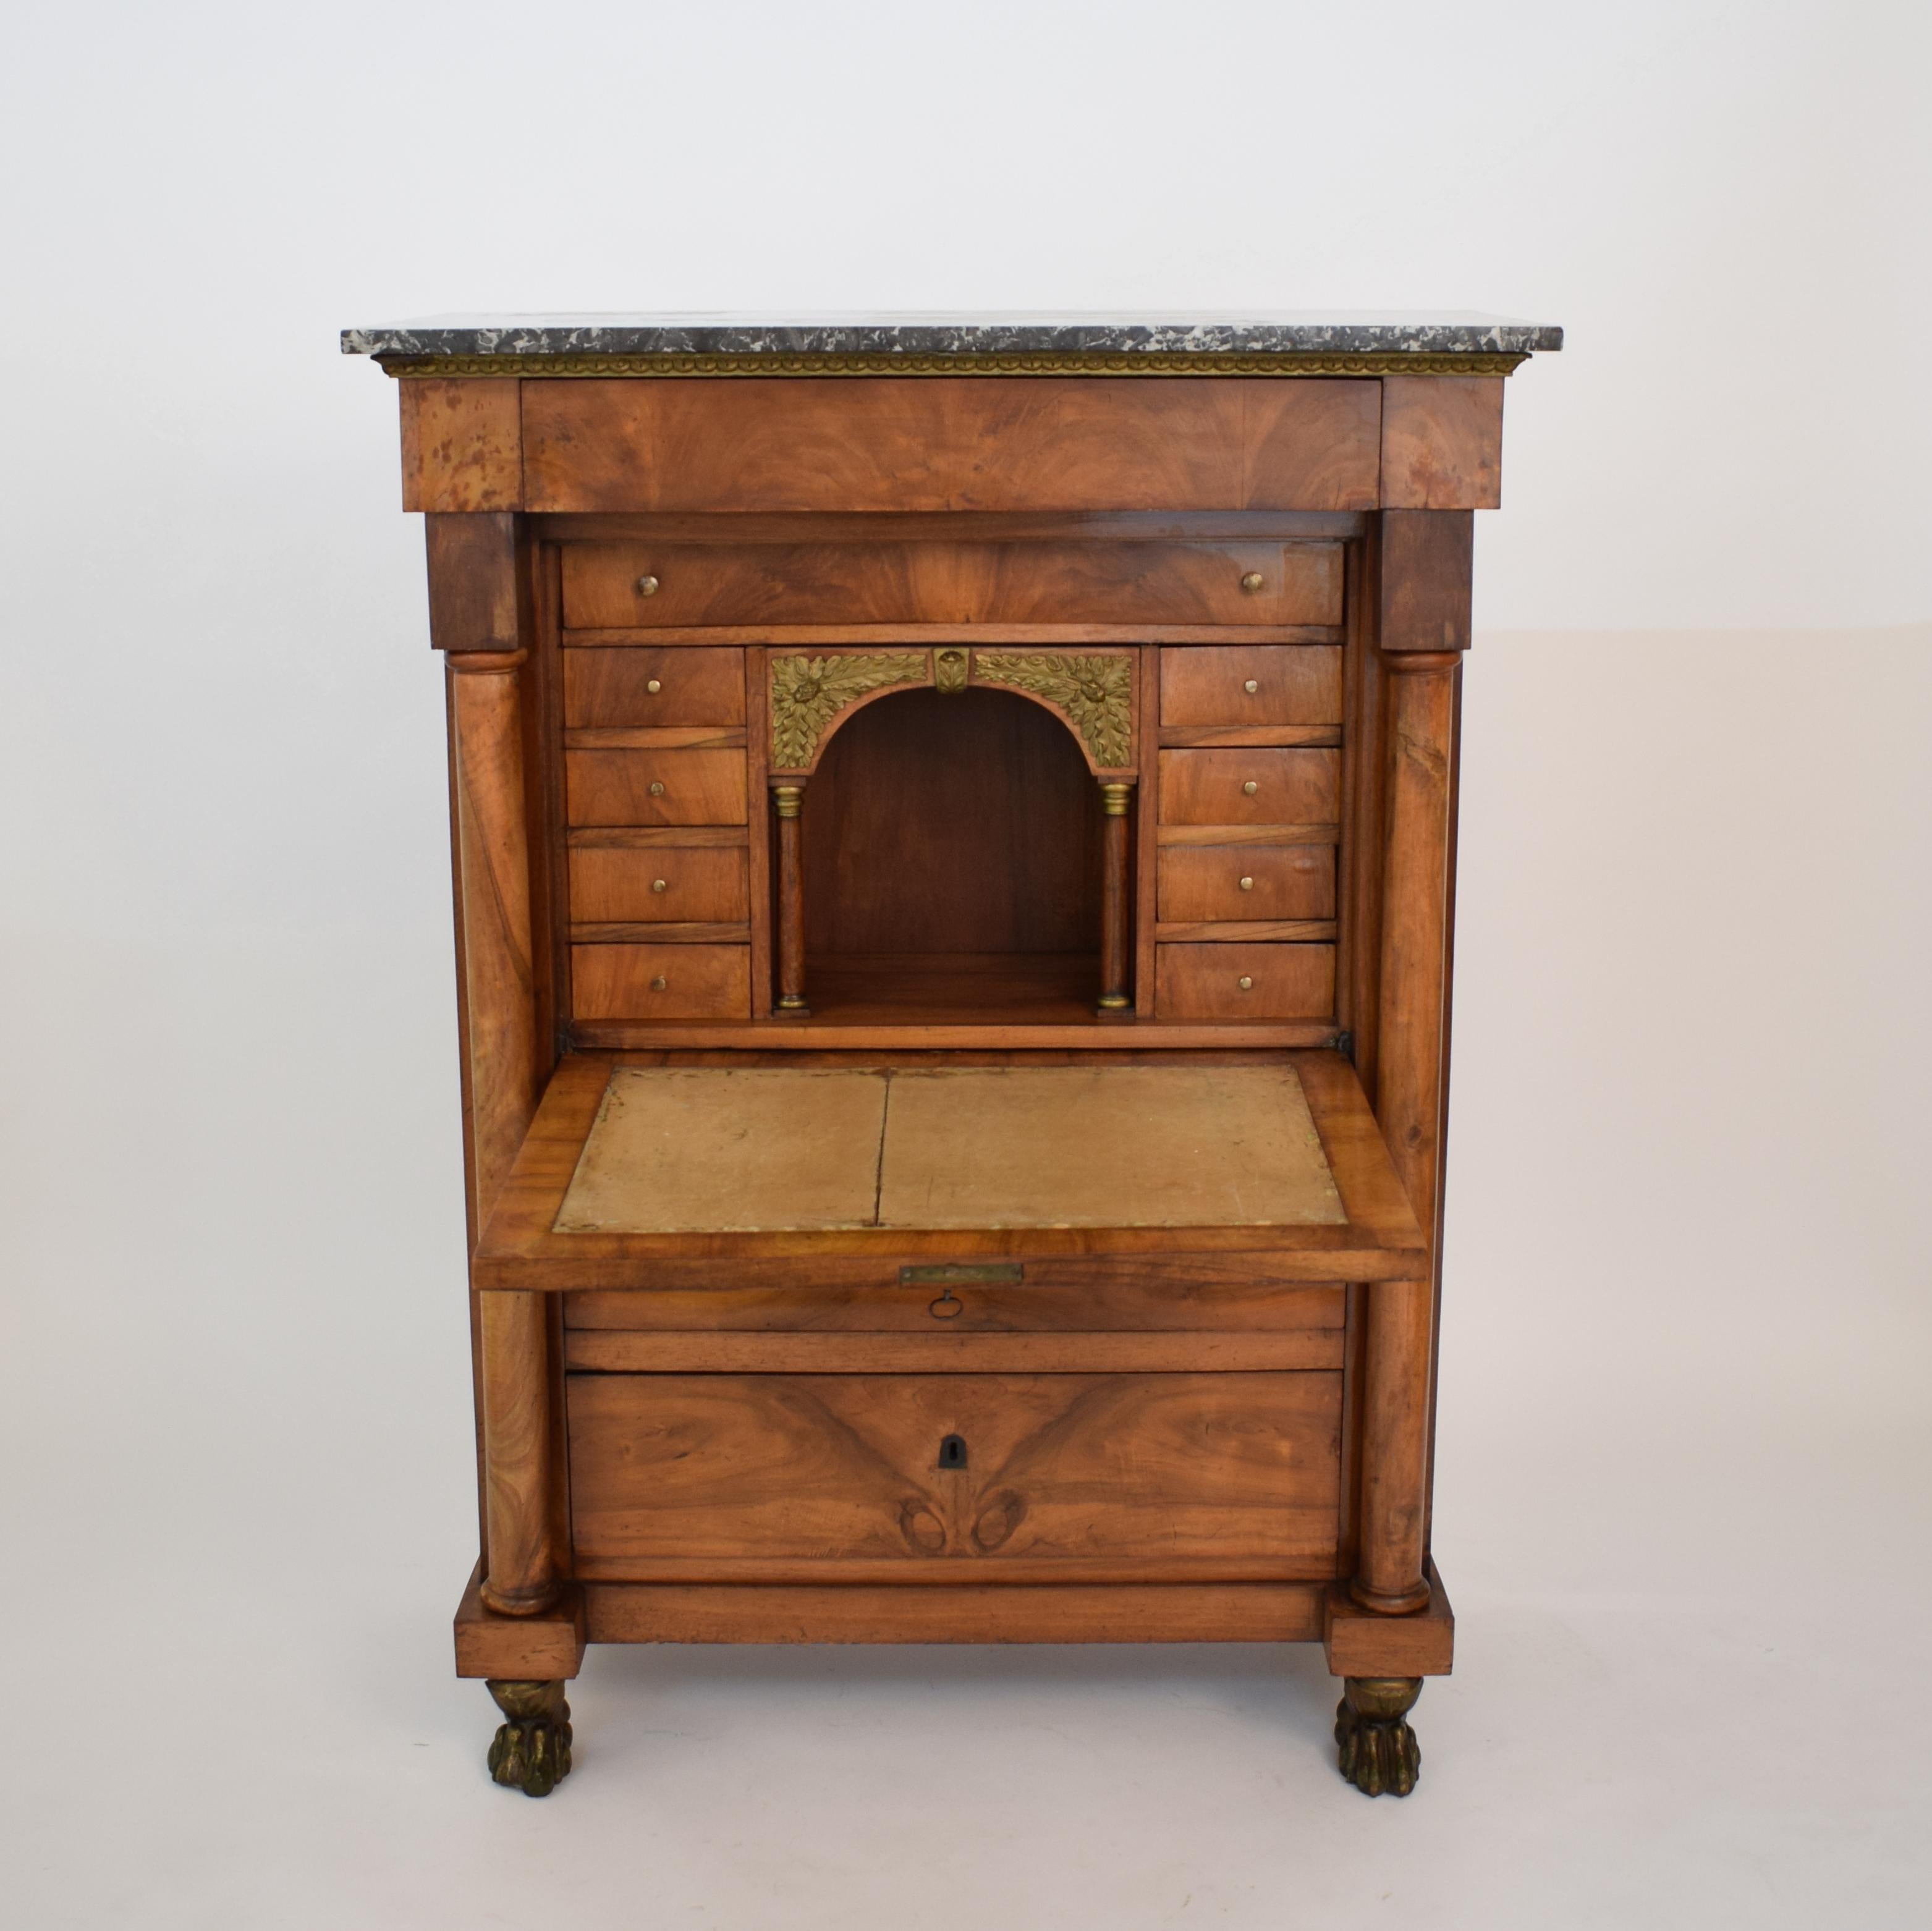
(952, 864)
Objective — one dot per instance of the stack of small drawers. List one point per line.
(1250, 805)
(654, 796)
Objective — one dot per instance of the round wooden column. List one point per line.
(1116, 800)
(502, 1076)
(1423, 694)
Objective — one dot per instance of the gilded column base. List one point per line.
(531, 1753)
(1376, 1747)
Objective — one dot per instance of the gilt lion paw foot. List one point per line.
(1377, 1748)
(531, 1753)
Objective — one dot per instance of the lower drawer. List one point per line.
(1244, 982)
(676, 982)
(948, 1477)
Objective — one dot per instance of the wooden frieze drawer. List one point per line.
(660, 884)
(1269, 786)
(1244, 982)
(660, 981)
(991, 1477)
(646, 685)
(1200, 882)
(1220, 583)
(679, 786)
(1206, 1296)
(1221, 685)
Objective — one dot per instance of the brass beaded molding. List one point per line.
(1073, 362)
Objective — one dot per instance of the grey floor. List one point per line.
(1683, 1510)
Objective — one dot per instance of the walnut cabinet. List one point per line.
(954, 857)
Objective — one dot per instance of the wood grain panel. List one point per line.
(943, 1612)
(1442, 442)
(615, 787)
(1204, 981)
(1425, 561)
(462, 444)
(474, 583)
(942, 1352)
(1313, 444)
(666, 884)
(822, 583)
(1300, 786)
(783, 1475)
(939, 443)
(1294, 684)
(1155, 1303)
(1247, 882)
(700, 982)
(688, 685)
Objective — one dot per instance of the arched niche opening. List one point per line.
(952, 864)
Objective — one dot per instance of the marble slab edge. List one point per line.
(1478, 336)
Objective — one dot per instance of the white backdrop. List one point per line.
(1683, 1374)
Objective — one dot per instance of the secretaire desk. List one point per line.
(954, 830)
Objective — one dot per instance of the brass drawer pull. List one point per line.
(655, 686)
(1251, 686)
(948, 1307)
(647, 587)
(657, 787)
(1247, 885)
(1252, 581)
(660, 984)
(1249, 790)
(663, 884)
(1247, 983)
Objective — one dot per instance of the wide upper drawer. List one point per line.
(937, 443)
(631, 586)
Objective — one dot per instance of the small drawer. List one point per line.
(1213, 685)
(660, 981)
(1207, 882)
(1243, 982)
(650, 685)
(654, 788)
(1097, 583)
(1301, 786)
(661, 884)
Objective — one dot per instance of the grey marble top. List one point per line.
(1341, 332)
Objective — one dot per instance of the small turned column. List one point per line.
(1423, 691)
(788, 801)
(1115, 994)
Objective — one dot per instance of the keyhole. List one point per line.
(952, 1452)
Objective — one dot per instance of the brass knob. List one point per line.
(647, 587)
(1253, 582)
(659, 884)
(1247, 885)
(657, 787)
(1245, 983)
(659, 983)
(1248, 789)
(1251, 686)
(654, 687)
